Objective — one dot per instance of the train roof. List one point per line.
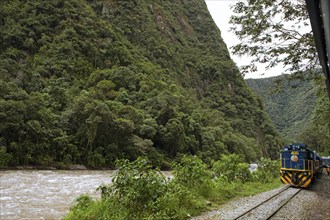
(319, 14)
(296, 147)
(299, 147)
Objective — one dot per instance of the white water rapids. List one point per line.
(44, 194)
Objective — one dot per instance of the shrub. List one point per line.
(105, 209)
(82, 202)
(5, 158)
(137, 186)
(140, 191)
(178, 202)
(230, 168)
(267, 170)
(191, 172)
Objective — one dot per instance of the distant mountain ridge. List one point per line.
(290, 105)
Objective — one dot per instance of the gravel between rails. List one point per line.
(309, 204)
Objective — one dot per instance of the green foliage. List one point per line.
(231, 168)
(317, 134)
(82, 202)
(90, 82)
(179, 202)
(297, 104)
(267, 170)
(289, 107)
(86, 208)
(142, 192)
(98, 210)
(274, 32)
(5, 158)
(190, 172)
(137, 186)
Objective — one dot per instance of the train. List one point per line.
(299, 165)
(326, 161)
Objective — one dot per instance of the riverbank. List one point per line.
(68, 167)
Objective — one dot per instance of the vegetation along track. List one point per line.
(269, 207)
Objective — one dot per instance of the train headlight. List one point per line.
(305, 173)
(283, 172)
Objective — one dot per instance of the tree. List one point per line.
(274, 32)
(174, 137)
(317, 134)
(89, 82)
(278, 32)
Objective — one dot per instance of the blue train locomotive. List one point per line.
(299, 165)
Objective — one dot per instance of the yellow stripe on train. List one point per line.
(285, 181)
(307, 183)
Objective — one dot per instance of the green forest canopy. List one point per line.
(90, 82)
(290, 106)
(299, 109)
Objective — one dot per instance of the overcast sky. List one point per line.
(220, 11)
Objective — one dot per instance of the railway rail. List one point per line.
(292, 192)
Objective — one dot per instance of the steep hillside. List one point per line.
(289, 107)
(92, 81)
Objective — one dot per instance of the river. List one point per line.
(45, 194)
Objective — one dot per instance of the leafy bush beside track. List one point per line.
(140, 191)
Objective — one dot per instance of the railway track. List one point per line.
(269, 207)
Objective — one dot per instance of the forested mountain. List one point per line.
(290, 103)
(88, 82)
(299, 109)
